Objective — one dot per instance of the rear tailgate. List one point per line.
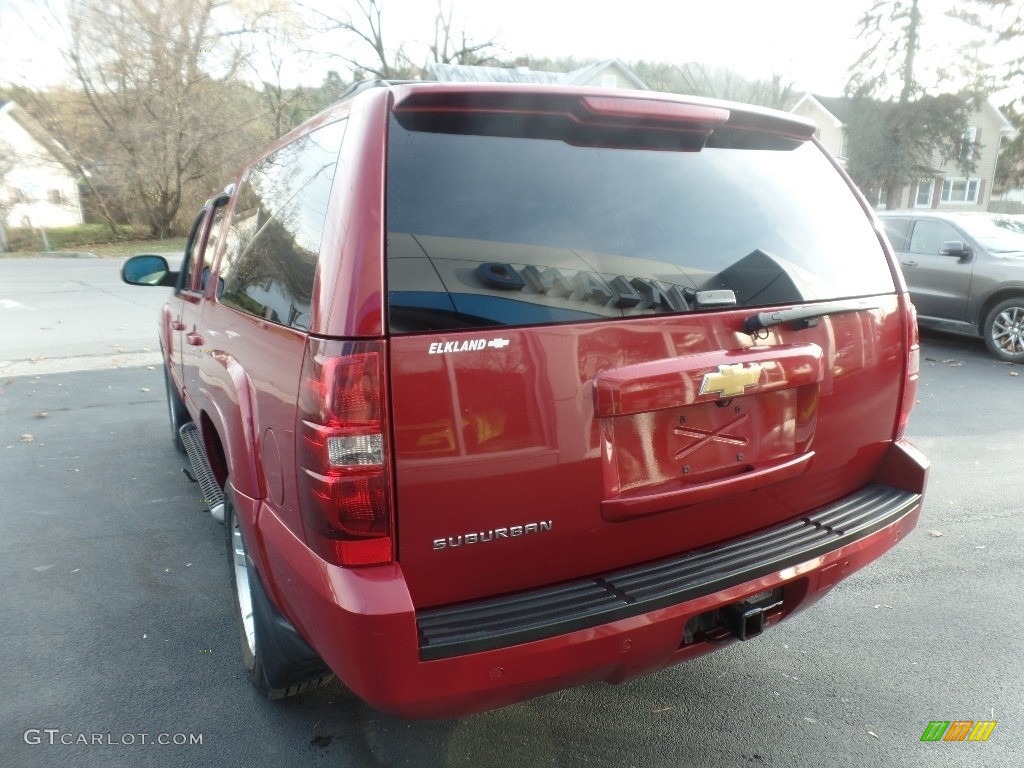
(573, 390)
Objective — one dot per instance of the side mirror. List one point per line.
(148, 270)
(955, 248)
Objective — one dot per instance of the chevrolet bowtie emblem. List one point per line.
(731, 380)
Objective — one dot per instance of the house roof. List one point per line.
(837, 108)
(35, 129)
(580, 76)
(466, 73)
(840, 109)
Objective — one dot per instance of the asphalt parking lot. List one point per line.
(117, 631)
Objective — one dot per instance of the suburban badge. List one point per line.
(731, 380)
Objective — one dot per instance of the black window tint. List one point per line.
(191, 253)
(273, 243)
(212, 241)
(896, 230)
(499, 230)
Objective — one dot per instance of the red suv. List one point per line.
(501, 390)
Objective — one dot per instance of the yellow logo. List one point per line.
(731, 380)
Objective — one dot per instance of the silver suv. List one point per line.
(965, 272)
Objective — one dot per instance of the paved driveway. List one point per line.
(116, 627)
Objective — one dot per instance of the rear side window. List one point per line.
(897, 230)
(505, 230)
(273, 243)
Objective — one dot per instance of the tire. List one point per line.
(276, 660)
(1004, 330)
(176, 411)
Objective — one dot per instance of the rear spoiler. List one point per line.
(591, 117)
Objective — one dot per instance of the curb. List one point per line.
(51, 255)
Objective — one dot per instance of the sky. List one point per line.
(810, 42)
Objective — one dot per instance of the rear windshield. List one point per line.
(488, 231)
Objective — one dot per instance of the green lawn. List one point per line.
(89, 238)
(112, 250)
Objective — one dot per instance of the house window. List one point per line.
(923, 198)
(967, 142)
(56, 197)
(960, 190)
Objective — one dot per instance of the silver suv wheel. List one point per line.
(243, 595)
(1004, 330)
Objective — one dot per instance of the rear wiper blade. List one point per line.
(802, 317)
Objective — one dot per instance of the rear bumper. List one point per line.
(458, 660)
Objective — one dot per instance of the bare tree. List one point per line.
(453, 46)
(145, 72)
(375, 57)
(366, 27)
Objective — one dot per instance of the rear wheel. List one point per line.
(277, 661)
(177, 412)
(1004, 330)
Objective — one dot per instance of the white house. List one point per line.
(949, 189)
(39, 187)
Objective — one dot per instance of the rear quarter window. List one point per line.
(273, 243)
(508, 230)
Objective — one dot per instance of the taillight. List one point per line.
(913, 371)
(342, 452)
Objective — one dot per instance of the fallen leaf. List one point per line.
(26, 438)
(981, 547)
(1014, 373)
(936, 534)
(145, 389)
(872, 733)
(41, 414)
